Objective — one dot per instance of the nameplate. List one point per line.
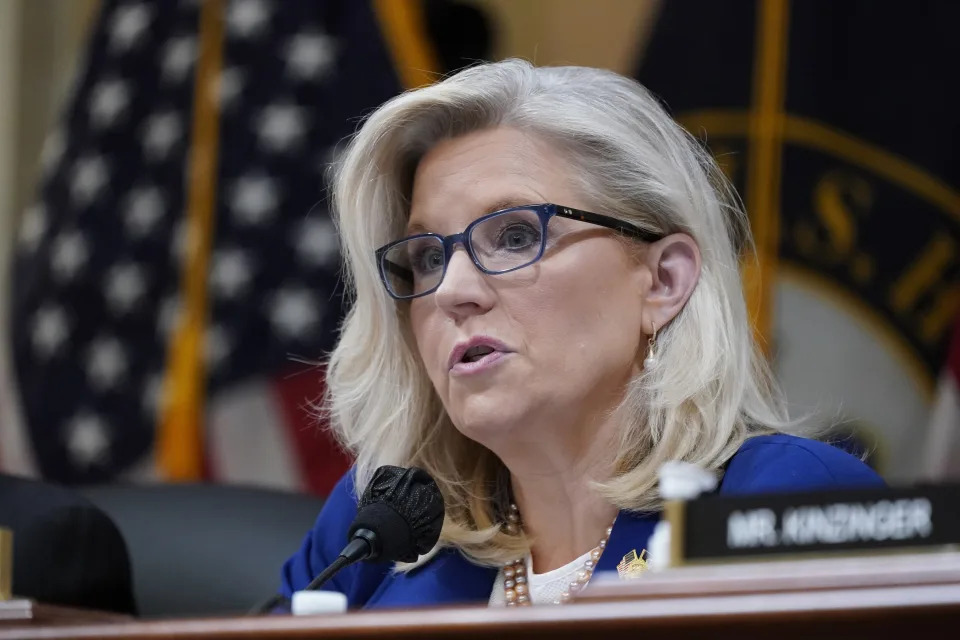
(718, 528)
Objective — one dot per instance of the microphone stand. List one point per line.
(362, 546)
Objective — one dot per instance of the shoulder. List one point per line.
(323, 543)
(331, 525)
(341, 504)
(782, 462)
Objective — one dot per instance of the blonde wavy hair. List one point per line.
(711, 389)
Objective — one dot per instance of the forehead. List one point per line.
(463, 178)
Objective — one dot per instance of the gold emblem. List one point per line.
(632, 565)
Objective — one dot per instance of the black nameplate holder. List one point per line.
(716, 528)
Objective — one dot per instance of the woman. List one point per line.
(546, 308)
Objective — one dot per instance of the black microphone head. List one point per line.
(404, 508)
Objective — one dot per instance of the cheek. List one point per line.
(597, 319)
(426, 334)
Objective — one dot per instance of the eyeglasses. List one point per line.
(499, 242)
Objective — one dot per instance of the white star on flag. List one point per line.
(247, 18)
(88, 178)
(87, 440)
(310, 55)
(50, 330)
(230, 273)
(106, 363)
(162, 131)
(254, 199)
(129, 23)
(217, 347)
(316, 242)
(294, 312)
(230, 87)
(178, 58)
(69, 254)
(280, 126)
(153, 393)
(125, 286)
(169, 315)
(108, 101)
(144, 208)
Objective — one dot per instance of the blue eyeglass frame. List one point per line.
(544, 212)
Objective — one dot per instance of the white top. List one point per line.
(544, 588)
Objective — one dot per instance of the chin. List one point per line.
(487, 417)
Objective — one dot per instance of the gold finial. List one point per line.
(6, 564)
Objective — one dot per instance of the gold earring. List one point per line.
(651, 360)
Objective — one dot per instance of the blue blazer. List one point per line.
(774, 463)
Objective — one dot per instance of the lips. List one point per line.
(475, 350)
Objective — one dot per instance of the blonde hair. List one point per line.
(711, 389)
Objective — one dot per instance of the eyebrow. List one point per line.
(497, 205)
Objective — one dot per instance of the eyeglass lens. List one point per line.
(500, 243)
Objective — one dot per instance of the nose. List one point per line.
(464, 291)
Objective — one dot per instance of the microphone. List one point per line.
(399, 517)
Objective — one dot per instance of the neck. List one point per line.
(563, 516)
(552, 479)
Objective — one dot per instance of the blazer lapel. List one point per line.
(630, 532)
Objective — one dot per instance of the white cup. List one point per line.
(309, 603)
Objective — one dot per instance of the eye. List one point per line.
(427, 259)
(518, 236)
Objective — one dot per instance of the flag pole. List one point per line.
(180, 438)
(764, 163)
(403, 27)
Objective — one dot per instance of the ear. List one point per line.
(674, 264)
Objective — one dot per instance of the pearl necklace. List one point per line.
(516, 592)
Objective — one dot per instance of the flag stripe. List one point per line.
(180, 443)
(320, 458)
(243, 442)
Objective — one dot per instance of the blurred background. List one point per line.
(169, 272)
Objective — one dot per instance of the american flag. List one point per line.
(98, 271)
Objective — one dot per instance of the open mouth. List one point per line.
(481, 354)
(476, 353)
